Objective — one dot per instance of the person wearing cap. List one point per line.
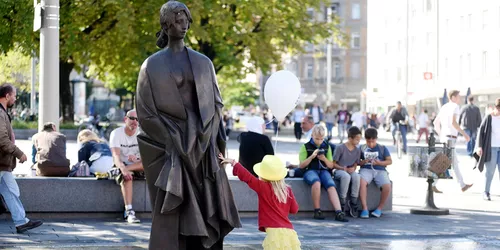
(276, 201)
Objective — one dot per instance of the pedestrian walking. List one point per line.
(469, 121)
(9, 152)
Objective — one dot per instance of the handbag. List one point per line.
(439, 164)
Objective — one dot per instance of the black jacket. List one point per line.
(484, 142)
(253, 148)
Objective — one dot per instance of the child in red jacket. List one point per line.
(276, 201)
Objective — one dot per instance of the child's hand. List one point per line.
(226, 160)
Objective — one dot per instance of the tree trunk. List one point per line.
(65, 91)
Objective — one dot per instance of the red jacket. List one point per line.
(272, 213)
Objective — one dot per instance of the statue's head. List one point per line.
(175, 20)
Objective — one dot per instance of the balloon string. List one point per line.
(276, 137)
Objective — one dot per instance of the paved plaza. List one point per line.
(473, 223)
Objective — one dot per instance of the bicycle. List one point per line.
(106, 128)
(399, 140)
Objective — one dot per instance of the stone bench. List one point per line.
(88, 195)
(246, 199)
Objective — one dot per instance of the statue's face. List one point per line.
(179, 28)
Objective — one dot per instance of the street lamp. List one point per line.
(47, 20)
(329, 11)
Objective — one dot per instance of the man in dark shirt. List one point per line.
(399, 118)
(470, 120)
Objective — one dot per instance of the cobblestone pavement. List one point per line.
(394, 230)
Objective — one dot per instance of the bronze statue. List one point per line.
(179, 110)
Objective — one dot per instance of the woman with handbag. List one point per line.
(488, 148)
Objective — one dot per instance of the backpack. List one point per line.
(80, 169)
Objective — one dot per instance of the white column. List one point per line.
(33, 84)
(49, 65)
(329, 61)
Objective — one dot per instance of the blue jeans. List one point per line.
(10, 192)
(342, 127)
(404, 130)
(329, 127)
(491, 166)
(323, 176)
(472, 143)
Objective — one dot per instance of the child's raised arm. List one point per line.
(242, 173)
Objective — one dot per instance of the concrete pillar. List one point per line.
(49, 64)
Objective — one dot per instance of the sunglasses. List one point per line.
(133, 118)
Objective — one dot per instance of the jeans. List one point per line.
(404, 130)
(342, 127)
(10, 192)
(329, 127)
(346, 179)
(490, 167)
(322, 176)
(472, 143)
(297, 130)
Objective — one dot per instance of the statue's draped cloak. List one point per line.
(189, 191)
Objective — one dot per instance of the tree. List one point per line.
(114, 37)
(91, 32)
(15, 68)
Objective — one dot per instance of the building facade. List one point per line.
(349, 63)
(421, 48)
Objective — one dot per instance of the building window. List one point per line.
(469, 63)
(337, 69)
(356, 11)
(310, 13)
(462, 23)
(386, 75)
(309, 47)
(386, 48)
(399, 45)
(446, 68)
(399, 74)
(469, 22)
(355, 70)
(429, 5)
(485, 63)
(485, 19)
(309, 70)
(499, 62)
(355, 40)
(461, 68)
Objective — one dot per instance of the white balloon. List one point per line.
(281, 93)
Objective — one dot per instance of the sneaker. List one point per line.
(486, 196)
(377, 213)
(353, 209)
(319, 215)
(364, 214)
(130, 216)
(340, 216)
(28, 226)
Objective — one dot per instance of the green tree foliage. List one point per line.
(15, 68)
(114, 37)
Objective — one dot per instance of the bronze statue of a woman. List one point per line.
(179, 109)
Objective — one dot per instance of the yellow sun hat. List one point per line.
(271, 168)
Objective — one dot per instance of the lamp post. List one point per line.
(49, 63)
(329, 60)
